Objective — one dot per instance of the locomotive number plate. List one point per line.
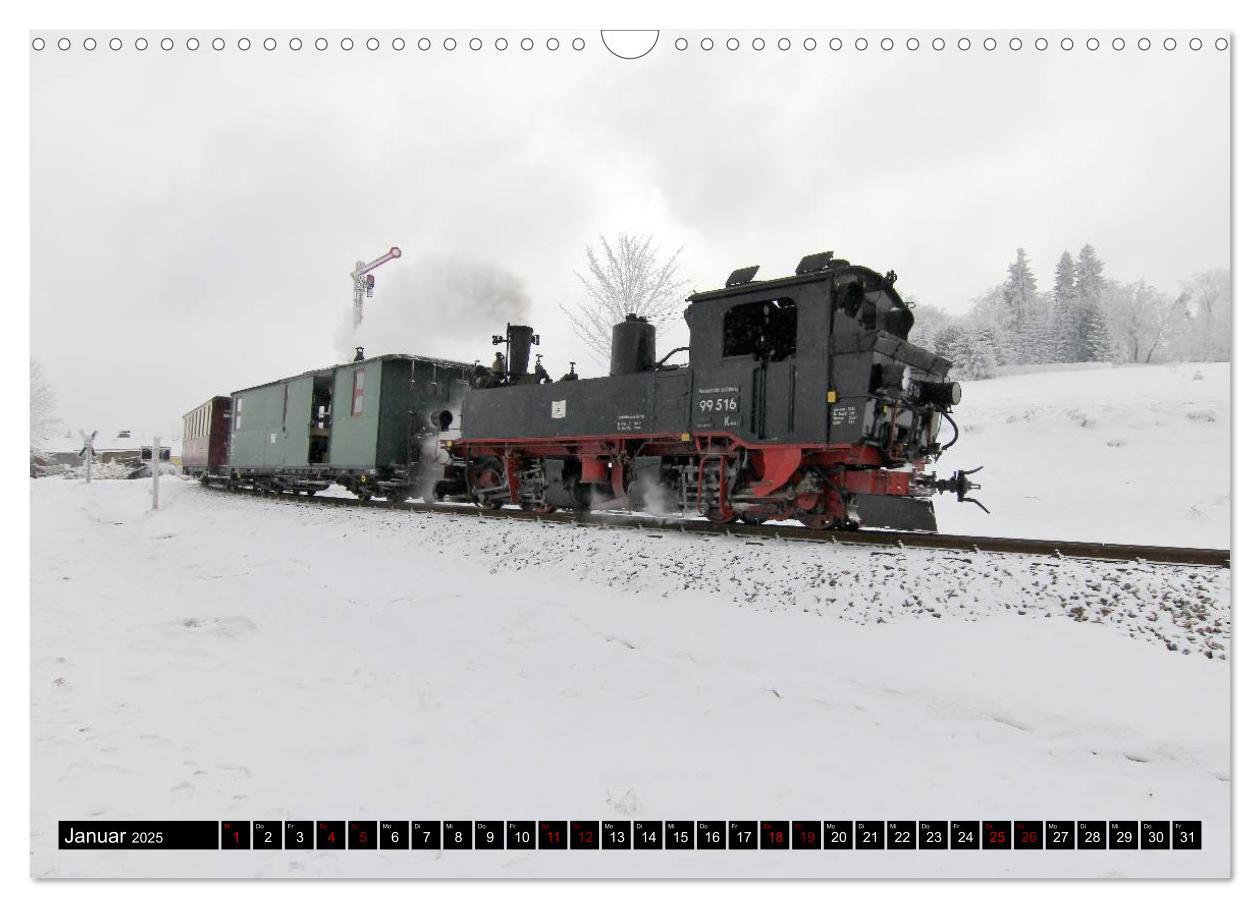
(717, 407)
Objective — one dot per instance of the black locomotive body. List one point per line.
(803, 399)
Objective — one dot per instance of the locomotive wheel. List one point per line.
(363, 494)
(752, 519)
(820, 521)
(487, 475)
(398, 496)
(718, 516)
(543, 507)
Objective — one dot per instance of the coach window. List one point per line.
(240, 405)
(764, 329)
(356, 405)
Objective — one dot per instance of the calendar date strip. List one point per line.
(632, 835)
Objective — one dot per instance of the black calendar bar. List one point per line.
(634, 835)
(142, 835)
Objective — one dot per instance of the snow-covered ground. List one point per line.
(1135, 454)
(237, 658)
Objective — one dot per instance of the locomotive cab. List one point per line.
(821, 357)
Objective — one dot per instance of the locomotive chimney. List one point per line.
(519, 340)
(633, 346)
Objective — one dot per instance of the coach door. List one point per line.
(319, 425)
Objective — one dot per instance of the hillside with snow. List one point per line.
(1137, 454)
(235, 658)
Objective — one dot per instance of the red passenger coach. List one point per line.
(206, 432)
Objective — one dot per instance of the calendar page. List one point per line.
(547, 452)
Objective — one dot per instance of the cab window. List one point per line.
(765, 329)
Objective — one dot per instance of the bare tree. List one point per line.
(1209, 293)
(1164, 320)
(43, 407)
(631, 278)
(1203, 332)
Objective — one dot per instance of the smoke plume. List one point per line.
(444, 306)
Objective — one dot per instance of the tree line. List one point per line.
(1085, 316)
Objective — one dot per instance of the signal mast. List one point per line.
(364, 281)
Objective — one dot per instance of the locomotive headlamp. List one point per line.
(941, 393)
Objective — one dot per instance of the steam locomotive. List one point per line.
(803, 400)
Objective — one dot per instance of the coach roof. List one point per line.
(423, 360)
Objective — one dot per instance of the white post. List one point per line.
(157, 463)
(89, 450)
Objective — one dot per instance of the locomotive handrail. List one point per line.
(660, 362)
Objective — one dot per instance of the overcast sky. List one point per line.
(195, 215)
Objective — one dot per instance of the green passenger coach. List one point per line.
(373, 426)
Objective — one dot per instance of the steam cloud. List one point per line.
(444, 306)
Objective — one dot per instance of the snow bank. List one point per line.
(235, 658)
(1137, 454)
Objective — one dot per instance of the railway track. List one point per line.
(1096, 551)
